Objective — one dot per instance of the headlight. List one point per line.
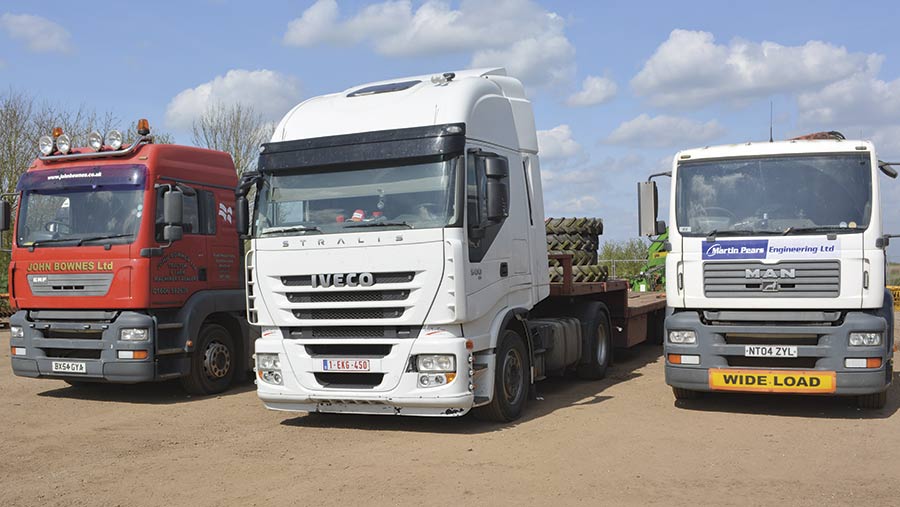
(45, 144)
(684, 337)
(865, 339)
(268, 362)
(95, 140)
(436, 363)
(16, 332)
(63, 144)
(114, 139)
(133, 335)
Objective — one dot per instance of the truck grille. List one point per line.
(347, 297)
(809, 279)
(349, 313)
(378, 278)
(354, 332)
(358, 380)
(92, 284)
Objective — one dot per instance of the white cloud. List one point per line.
(664, 132)
(689, 69)
(269, 93)
(557, 143)
(517, 34)
(594, 90)
(39, 34)
(861, 99)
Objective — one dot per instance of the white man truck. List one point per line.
(776, 273)
(399, 263)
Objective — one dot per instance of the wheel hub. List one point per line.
(216, 361)
(513, 376)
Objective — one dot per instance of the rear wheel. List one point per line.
(872, 401)
(511, 380)
(601, 350)
(685, 394)
(213, 361)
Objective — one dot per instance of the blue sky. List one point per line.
(653, 77)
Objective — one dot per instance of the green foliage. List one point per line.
(624, 258)
(893, 276)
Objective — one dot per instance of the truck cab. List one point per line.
(125, 265)
(776, 274)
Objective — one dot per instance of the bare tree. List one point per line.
(237, 129)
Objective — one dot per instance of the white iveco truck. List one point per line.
(399, 260)
(776, 274)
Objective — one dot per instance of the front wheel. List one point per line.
(511, 380)
(685, 394)
(213, 361)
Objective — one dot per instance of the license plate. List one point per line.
(770, 351)
(68, 367)
(773, 381)
(345, 365)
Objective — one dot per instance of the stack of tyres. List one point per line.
(580, 238)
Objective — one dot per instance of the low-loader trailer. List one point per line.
(399, 260)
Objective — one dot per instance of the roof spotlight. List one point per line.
(114, 139)
(95, 140)
(63, 144)
(45, 144)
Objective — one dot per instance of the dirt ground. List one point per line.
(623, 440)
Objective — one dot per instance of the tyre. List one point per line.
(872, 401)
(685, 394)
(579, 257)
(213, 361)
(578, 225)
(511, 380)
(600, 352)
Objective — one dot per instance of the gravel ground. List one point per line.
(623, 440)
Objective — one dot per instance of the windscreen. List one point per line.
(80, 206)
(415, 196)
(774, 195)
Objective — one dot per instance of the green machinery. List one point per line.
(652, 276)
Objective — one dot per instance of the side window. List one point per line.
(481, 230)
(476, 193)
(207, 212)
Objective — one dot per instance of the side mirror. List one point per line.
(648, 207)
(5, 215)
(172, 233)
(242, 218)
(173, 207)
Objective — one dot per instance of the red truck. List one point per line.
(126, 265)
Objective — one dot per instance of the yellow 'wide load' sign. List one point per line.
(773, 381)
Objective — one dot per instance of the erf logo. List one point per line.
(344, 280)
(721, 250)
(226, 212)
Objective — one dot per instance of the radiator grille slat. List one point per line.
(749, 279)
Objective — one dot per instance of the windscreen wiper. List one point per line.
(291, 228)
(818, 228)
(380, 224)
(47, 241)
(98, 238)
(731, 232)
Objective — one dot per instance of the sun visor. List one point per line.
(124, 175)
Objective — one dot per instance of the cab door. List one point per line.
(182, 267)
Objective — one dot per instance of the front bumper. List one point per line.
(397, 394)
(827, 355)
(94, 343)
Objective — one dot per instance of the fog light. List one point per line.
(17, 351)
(436, 379)
(682, 337)
(271, 377)
(684, 359)
(133, 334)
(865, 339)
(16, 332)
(862, 362)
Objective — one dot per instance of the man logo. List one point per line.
(770, 273)
(226, 212)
